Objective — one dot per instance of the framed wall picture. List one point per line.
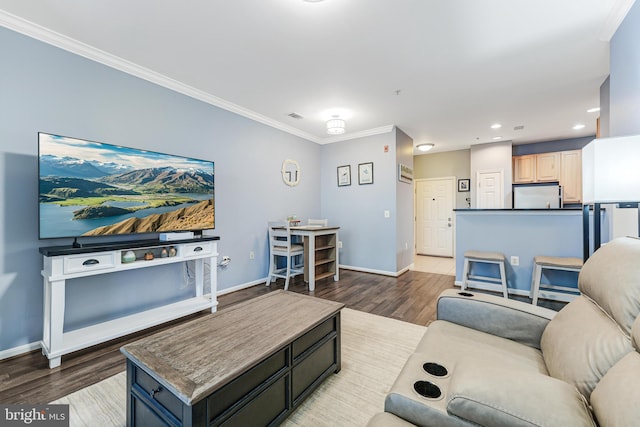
(344, 175)
(405, 173)
(464, 185)
(365, 173)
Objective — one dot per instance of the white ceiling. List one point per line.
(441, 70)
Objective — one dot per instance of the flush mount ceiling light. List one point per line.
(578, 126)
(424, 147)
(336, 126)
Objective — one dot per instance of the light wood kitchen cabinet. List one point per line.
(524, 169)
(532, 168)
(571, 176)
(547, 167)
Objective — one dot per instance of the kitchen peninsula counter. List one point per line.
(520, 233)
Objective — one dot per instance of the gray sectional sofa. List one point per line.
(488, 361)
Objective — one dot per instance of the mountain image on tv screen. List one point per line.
(91, 189)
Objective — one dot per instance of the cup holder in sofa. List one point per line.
(435, 369)
(465, 294)
(427, 389)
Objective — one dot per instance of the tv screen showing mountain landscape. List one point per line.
(92, 189)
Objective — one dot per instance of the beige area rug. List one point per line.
(374, 350)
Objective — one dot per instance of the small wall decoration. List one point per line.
(291, 172)
(344, 175)
(405, 173)
(365, 173)
(464, 185)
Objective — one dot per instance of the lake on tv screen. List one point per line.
(58, 221)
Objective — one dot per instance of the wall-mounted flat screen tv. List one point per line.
(94, 189)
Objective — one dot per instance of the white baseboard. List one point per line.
(17, 351)
(370, 270)
(241, 286)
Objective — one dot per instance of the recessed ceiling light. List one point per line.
(593, 110)
(424, 147)
(496, 126)
(497, 137)
(578, 126)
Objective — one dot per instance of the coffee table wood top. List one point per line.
(198, 357)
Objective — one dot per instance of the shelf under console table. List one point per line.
(61, 263)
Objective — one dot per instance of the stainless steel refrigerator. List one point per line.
(540, 196)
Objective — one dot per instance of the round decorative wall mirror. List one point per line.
(291, 172)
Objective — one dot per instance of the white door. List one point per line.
(434, 216)
(490, 189)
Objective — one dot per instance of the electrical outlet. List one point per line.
(339, 244)
(252, 255)
(387, 214)
(515, 260)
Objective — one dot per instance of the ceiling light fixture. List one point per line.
(593, 110)
(496, 126)
(579, 126)
(336, 126)
(424, 147)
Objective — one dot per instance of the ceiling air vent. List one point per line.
(519, 127)
(295, 116)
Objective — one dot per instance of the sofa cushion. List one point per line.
(581, 343)
(616, 398)
(449, 343)
(616, 290)
(502, 397)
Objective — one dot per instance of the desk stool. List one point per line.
(552, 263)
(487, 258)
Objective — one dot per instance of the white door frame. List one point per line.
(415, 211)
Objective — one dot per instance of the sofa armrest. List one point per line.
(514, 320)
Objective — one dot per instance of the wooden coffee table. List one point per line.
(249, 364)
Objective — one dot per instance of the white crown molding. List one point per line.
(615, 18)
(61, 41)
(69, 44)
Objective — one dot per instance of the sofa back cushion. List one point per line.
(593, 332)
(611, 278)
(581, 343)
(615, 398)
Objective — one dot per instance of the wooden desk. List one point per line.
(250, 364)
(320, 252)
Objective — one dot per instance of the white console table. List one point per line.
(65, 262)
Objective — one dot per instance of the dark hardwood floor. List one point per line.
(410, 297)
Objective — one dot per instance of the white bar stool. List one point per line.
(553, 263)
(487, 258)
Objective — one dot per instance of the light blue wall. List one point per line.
(367, 236)
(44, 88)
(624, 72)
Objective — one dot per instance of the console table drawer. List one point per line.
(96, 261)
(200, 248)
